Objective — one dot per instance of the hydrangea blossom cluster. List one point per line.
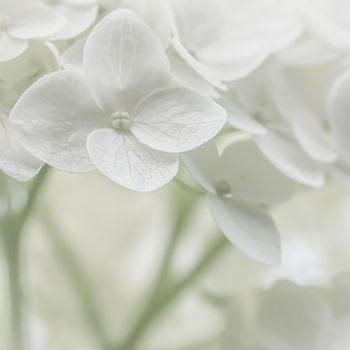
(251, 96)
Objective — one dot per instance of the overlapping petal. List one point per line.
(33, 21)
(15, 161)
(128, 162)
(237, 116)
(176, 120)
(307, 126)
(78, 17)
(53, 119)
(156, 14)
(10, 47)
(205, 165)
(252, 177)
(248, 227)
(286, 154)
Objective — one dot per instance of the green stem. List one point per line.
(184, 211)
(162, 302)
(79, 281)
(13, 227)
(11, 249)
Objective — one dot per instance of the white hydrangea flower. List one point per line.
(293, 318)
(289, 129)
(78, 16)
(122, 114)
(239, 182)
(15, 76)
(21, 21)
(289, 316)
(226, 40)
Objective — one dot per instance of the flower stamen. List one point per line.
(222, 188)
(120, 120)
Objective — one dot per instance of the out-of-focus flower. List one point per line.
(123, 116)
(293, 317)
(21, 21)
(238, 183)
(277, 105)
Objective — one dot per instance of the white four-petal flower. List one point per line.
(121, 114)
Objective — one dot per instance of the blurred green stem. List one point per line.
(12, 254)
(183, 213)
(79, 281)
(13, 226)
(161, 302)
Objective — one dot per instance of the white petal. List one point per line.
(202, 70)
(315, 140)
(123, 59)
(53, 118)
(176, 120)
(128, 162)
(293, 318)
(237, 62)
(73, 57)
(290, 158)
(341, 173)
(307, 126)
(197, 23)
(204, 164)
(188, 77)
(328, 19)
(78, 18)
(247, 226)
(15, 161)
(237, 116)
(35, 21)
(338, 108)
(252, 177)
(10, 47)
(308, 51)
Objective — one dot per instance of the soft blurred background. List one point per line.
(92, 252)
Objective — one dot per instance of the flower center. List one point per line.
(222, 188)
(120, 120)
